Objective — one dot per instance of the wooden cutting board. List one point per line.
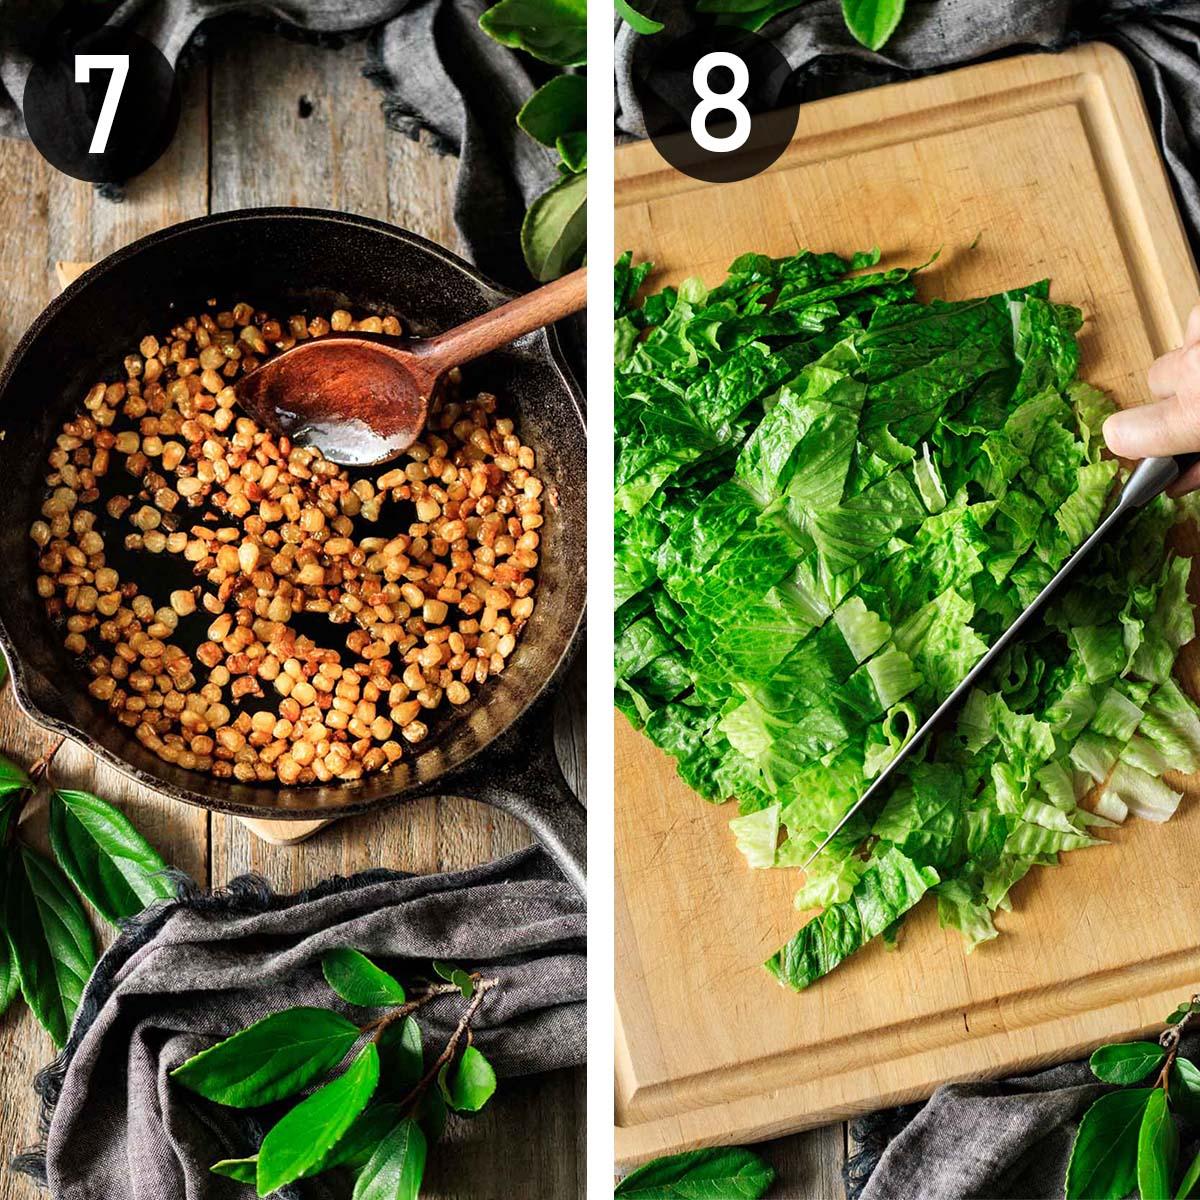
(1046, 166)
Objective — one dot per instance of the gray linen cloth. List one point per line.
(995, 1141)
(1161, 38)
(439, 72)
(188, 973)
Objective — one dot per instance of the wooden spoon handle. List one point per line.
(505, 324)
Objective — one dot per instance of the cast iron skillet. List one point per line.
(291, 260)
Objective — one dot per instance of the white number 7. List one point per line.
(118, 64)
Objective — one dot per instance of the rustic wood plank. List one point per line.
(295, 125)
(340, 155)
(421, 190)
(808, 1166)
(63, 219)
(318, 139)
(497, 1156)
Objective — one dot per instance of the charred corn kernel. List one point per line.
(248, 556)
(272, 531)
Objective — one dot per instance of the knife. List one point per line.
(1148, 479)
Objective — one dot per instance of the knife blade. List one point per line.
(1150, 478)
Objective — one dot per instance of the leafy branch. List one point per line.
(870, 22)
(378, 1116)
(47, 946)
(1130, 1139)
(554, 231)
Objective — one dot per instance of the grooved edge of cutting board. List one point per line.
(665, 1106)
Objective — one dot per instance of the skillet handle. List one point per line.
(521, 775)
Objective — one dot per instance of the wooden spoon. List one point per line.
(363, 398)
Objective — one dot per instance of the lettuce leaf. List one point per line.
(757, 835)
(887, 889)
(961, 908)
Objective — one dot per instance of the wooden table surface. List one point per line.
(242, 141)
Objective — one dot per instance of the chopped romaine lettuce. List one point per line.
(757, 835)
(830, 500)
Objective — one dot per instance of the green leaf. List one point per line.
(872, 22)
(352, 1150)
(961, 909)
(887, 889)
(244, 1170)
(1188, 1184)
(401, 1057)
(303, 1137)
(832, 497)
(50, 940)
(13, 778)
(558, 107)
(1171, 723)
(637, 21)
(105, 857)
(358, 980)
(553, 30)
(722, 1173)
(627, 282)
(468, 1084)
(10, 980)
(1104, 1158)
(271, 1059)
(1182, 1011)
(554, 230)
(572, 149)
(360, 1141)
(457, 976)
(1158, 1149)
(757, 836)
(1185, 1090)
(1127, 1063)
(395, 1169)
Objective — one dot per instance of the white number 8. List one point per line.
(729, 102)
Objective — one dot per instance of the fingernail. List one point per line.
(1116, 429)
(1191, 334)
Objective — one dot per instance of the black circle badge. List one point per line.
(101, 106)
(718, 104)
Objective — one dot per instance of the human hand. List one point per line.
(1169, 424)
